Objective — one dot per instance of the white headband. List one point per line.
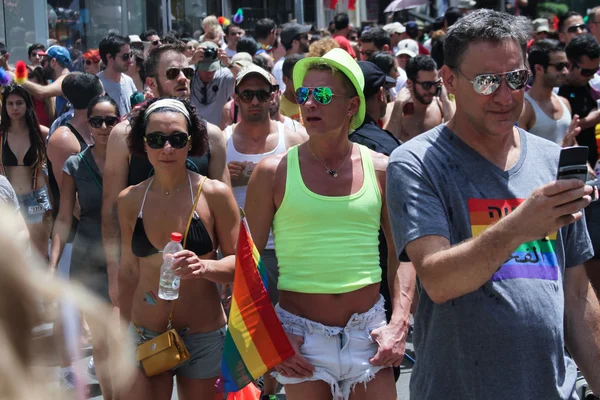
(176, 105)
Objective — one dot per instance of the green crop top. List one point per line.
(325, 244)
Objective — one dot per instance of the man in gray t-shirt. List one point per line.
(497, 244)
(117, 56)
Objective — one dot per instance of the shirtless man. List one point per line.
(326, 202)
(430, 103)
(168, 74)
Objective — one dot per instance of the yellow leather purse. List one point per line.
(167, 350)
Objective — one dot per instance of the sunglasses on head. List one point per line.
(96, 122)
(429, 84)
(173, 72)
(248, 95)
(487, 84)
(587, 72)
(575, 28)
(561, 65)
(322, 94)
(127, 56)
(157, 140)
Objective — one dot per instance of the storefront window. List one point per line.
(19, 27)
(187, 15)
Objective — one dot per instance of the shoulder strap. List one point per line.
(187, 229)
(91, 171)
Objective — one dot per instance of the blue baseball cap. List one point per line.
(60, 53)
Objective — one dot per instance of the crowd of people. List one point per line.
(385, 172)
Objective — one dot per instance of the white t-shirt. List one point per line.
(230, 53)
(400, 83)
(278, 73)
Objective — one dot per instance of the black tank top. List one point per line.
(54, 189)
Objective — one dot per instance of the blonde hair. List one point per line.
(322, 47)
(25, 287)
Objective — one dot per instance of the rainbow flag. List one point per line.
(255, 341)
(531, 260)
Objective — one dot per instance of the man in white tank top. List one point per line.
(255, 137)
(546, 114)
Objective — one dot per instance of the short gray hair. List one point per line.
(484, 26)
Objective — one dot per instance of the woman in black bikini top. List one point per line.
(167, 130)
(23, 162)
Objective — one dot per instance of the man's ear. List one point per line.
(450, 79)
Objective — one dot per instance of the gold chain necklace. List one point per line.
(332, 172)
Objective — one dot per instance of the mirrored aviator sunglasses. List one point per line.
(157, 140)
(173, 73)
(487, 84)
(96, 122)
(323, 95)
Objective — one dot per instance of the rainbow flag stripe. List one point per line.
(532, 260)
(255, 341)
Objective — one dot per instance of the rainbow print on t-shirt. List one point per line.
(532, 260)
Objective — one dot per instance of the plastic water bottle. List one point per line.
(168, 287)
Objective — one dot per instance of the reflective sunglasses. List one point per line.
(173, 73)
(127, 56)
(575, 28)
(322, 94)
(157, 140)
(587, 72)
(561, 65)
(96, 122)
(487, 84)
(248, 95)
(429, 84)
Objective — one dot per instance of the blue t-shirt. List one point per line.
(506, 339)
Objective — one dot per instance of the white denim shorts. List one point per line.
(340, 355)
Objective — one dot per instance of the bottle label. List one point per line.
(176, 283)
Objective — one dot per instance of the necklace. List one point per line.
(178, 189)
(332, 172)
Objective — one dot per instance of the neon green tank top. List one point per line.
(328, 244)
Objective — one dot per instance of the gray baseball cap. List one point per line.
(291, 30)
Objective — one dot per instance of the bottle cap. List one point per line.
(176, 237)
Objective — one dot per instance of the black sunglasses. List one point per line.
(173, 73)
(248, 95)
(96, 122)
(90, 62)
(127, 56)
(429, 84)
(575, 28)
(561, 65)
(155, 42)
(587, 72)
(367, 53)
(157, 140)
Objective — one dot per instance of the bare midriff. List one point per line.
(198, 307)
(330, 309)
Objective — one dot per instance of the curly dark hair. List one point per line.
(196, 128)
(36, 139)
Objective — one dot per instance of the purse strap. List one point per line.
(187, 229)
(91, 171)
